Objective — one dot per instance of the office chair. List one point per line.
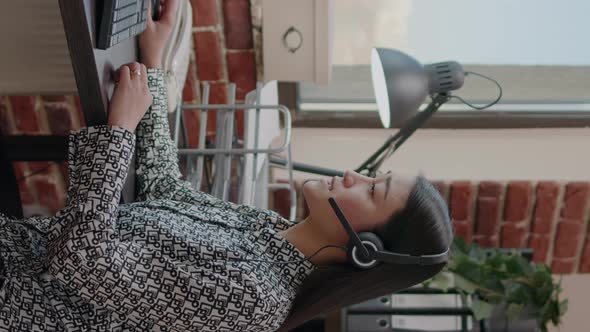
(339, 286)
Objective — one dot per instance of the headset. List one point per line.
(364, 251)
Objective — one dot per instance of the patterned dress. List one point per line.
(167, 262)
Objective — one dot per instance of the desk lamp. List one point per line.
(401, 84)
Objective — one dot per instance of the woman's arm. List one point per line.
(136, 283)
(157, 172)
(158, 175)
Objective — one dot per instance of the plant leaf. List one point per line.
(514, 310)
(499, 277)
(464, 284)
(517, 293)
(516, 264)
(481, 309)
(563, 307)
(443, 280)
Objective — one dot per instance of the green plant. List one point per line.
(494, 277)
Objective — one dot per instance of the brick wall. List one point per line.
(548, 216)
(222, 52)
(44, 192)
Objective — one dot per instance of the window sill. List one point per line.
(449, 120)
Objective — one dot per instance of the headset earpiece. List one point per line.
(373, 243)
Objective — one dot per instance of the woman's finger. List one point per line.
(124, 74)
(117, 73)
(143, 74)
(168, 14)
(149, 21)
(135, 70)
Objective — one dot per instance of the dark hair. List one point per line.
(422, 227)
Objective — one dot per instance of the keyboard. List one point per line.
(123, 19)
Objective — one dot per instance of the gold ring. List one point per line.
(136, 72)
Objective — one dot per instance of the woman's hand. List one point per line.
(156, 34)
(131, 98)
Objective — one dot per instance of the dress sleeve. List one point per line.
(85, 252)
(157, 172)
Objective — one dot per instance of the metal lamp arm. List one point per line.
(374, 162)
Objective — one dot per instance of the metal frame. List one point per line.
(224, 144)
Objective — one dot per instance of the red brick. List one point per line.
(26, 195)
(204, 12)
(190, 93)
(585, 257)
(488, 208)
(20, 170)
(540, 246)
(442, 188)
(463, 230)
(217, 95)
(513, 236)
(241, 69)
(490, 189)
(208, 56)
(488, 216)
(237, 24)
(567, 239)
(40, 167)
(561, 266)
(49, 195)
(5, 122)
(461, 200)
(80, 112)
(575, 200)
(282, 200)
(192, 124)
(518, 200)
(59, 119)
(486, 241)
(63, 169)
(23, 109)
(544, 212)
(27, 173)
(54, 98)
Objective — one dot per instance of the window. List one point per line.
(534, 48)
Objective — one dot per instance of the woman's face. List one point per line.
(366, 202)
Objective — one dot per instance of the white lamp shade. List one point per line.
(400, 85)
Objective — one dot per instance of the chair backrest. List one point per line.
(339, 286)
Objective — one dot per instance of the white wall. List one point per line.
(576, 288)
(506, 154)
(531, 154)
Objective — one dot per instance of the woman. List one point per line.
(179, 259)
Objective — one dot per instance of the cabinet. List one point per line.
(297, 40)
